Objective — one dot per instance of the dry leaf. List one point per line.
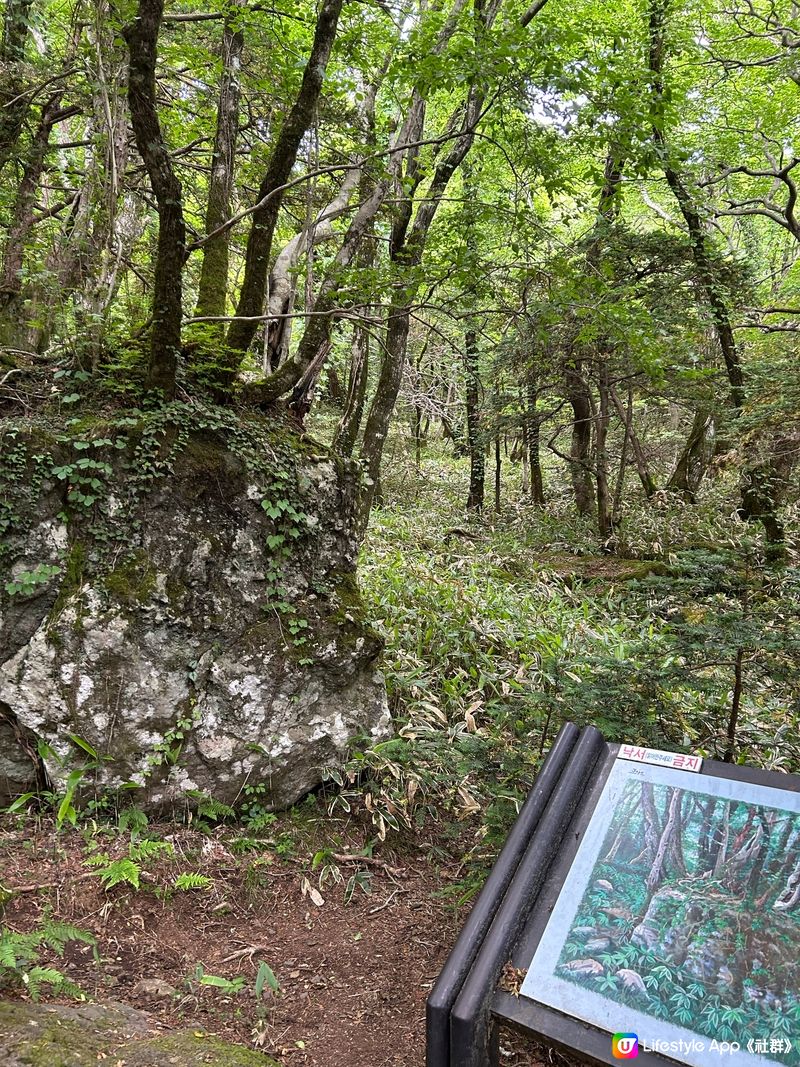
(511, 979)
(312, 892)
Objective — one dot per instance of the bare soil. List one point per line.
(354, 976)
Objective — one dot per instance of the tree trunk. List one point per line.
(626, 416)
(141, 36)
(270, 194)
(282, 284)
(704, 837)
(607, 211)
(476, 438)
(676, 856)
(757, 869)
(13, 324)
(213, 284)
(789, 897)
(736, 701)
(497, 469)
(581, 466)
(783, 858)
(344, 440)
(652, 829)
(62, 268)
(99, 228)
(622, 472)
(601, 455)
(346, 434)
(114, 219)
(533, 427)
(476, 442)
(719, 844)
(14, 101)
(657, 872)
(693, 461)
(317, 332)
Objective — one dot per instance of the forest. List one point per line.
(384, 383)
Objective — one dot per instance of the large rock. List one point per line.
(199, 626)
(54, 1035)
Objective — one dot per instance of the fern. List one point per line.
(191, 880)
(209, 808)
(127, 868)
(113, 872)
(36, 977)
(133, 819)
(19, 955)
(149, 850)
(215, 809)
(16, 949)
(57, 934)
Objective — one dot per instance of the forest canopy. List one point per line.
(575, 223)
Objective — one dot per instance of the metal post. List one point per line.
(455, 971)
(470, 1016)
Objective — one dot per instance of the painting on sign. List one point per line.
(680, 917)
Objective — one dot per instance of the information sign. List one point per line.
(645, 906)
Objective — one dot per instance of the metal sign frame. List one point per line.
(465, 1007)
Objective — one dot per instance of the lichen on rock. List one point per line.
(194, 618)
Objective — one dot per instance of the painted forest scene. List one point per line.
(690, 915)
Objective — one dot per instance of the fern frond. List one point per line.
(17, 949)
(192, 880)
(57, 934)
(148, 850)
(133, 819)
(119, 871)
(36, 977)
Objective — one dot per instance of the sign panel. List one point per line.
(677, 760)
(677, 929)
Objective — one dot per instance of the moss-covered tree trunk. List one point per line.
(165, 337)
(213, 284)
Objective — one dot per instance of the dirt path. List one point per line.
(353, 976)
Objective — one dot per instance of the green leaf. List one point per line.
(266, 976)
(81, 743)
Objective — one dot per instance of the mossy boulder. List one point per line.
(39, 1035)
(178, 607)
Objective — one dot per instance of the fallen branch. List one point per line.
(8, 891)
(372, 861)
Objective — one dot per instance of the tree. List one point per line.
(271, 191)
(167, 311)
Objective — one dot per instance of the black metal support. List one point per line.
(470, 1022)
(451, 980)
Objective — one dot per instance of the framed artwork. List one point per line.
(679, 920)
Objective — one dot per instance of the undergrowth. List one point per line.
(498, 630)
